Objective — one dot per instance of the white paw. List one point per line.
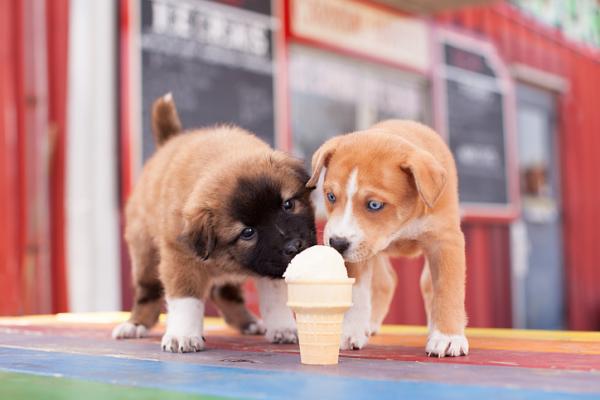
(182, 344)
(374, 329)
(254, 328)
(354, 339)
(282, 335)
(441, 345)
(129, 330)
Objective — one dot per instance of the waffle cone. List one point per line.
(320, 308)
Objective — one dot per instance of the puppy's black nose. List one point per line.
(293, 247)
(339, 243)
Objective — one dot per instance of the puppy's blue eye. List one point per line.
(288, 205)
(247, 233)
(331, 197)
(374, 205)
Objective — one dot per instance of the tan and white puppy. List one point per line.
(212, 207)
(392, 190)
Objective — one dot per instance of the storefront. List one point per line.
(515, 98)
(301, 71)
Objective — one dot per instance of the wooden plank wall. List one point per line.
(33, 69)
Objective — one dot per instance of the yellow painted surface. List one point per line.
(502, 333)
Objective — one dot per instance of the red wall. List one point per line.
(520, 39)
(488, 280)
(33, 59)
(10, 246)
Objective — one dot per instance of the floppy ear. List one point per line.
(321, 159)
(294, 165)
(429, 175)
(199, 233)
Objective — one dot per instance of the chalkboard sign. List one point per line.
(216, 59)
(475, 104)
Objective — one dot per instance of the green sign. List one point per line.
(578, 19)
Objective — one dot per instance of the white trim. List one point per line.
(519, 255)
(92, 207)
(538, 77)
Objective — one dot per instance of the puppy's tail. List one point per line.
(165, 120)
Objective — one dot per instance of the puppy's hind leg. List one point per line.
(148, 297)
(229, 299)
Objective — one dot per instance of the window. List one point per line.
(332, 95)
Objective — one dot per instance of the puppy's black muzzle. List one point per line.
(294, 247)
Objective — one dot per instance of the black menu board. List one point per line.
(475, 125)
(216, 57)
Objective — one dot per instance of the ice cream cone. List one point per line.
(320, 307)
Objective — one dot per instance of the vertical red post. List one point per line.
(282, 83)
(57, 17)
(9, 243)
(125, 171)
(33, 134)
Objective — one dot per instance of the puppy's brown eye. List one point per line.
(247, 233)
(288, 205)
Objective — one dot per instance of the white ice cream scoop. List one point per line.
(319, 292)
(316, 263)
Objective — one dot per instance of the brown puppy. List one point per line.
(392, 190)
(211, 208)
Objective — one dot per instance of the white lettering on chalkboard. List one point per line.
(160, 17)
(208, 24)
(478, 155)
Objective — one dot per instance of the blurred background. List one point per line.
(513, 86)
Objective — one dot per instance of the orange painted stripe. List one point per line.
(493, 343)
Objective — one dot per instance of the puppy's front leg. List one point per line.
(447, 308)
(277, 316)
(185, 288)
(357, 320)
(185, 324)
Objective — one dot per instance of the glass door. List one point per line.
(538, 289)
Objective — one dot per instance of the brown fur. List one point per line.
(409, 168)
(180, 232)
